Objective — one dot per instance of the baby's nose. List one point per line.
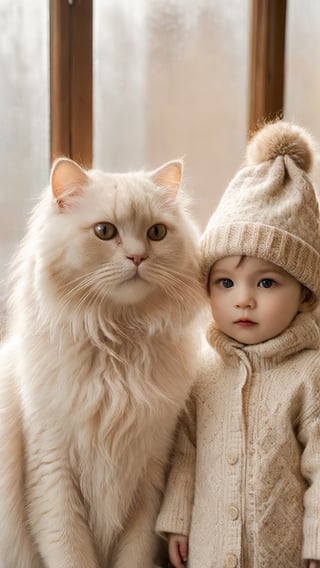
(245, 299)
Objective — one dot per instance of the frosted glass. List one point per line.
(170, 80)
(24, 116)
(302, 85)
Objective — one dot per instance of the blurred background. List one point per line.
(129, 84)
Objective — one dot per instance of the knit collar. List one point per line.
(303, 333)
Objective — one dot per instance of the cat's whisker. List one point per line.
(108, 271)
(82, 287)
(172, 282)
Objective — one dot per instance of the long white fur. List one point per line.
(94, 369)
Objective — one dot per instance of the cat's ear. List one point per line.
(169, 176)
(67, 180)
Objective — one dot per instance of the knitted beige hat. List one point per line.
(270, 209)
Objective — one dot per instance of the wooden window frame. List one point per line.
(267, 58)
(71, 80)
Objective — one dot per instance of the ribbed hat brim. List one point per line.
(282, 248)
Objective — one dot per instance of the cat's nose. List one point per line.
(137, 258)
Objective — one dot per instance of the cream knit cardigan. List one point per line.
(245, 477)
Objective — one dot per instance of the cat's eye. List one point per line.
(105, 231)
(157, 232)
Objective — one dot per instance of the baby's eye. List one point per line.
(266, 283)
(105, 231)
(226, 282)
(157, 232)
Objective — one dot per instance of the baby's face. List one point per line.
(253, 300)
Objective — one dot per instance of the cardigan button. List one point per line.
(231, 561)
(233, 513)
(232, 459)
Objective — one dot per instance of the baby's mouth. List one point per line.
(244, 322)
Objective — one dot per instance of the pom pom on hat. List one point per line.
(281, 139)
(270, 209)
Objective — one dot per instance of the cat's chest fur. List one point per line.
(115, 424)
(116, 404)
(113, 410)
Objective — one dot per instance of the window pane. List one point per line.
(170, 80)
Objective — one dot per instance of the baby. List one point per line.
(244, 486)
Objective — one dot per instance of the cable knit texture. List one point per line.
(245, 477)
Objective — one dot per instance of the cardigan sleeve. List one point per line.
(176, 509)
(310, 468)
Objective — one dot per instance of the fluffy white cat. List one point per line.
(95, 365)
